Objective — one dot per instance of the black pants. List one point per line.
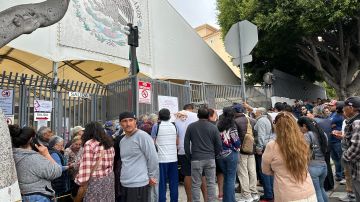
(135, 194)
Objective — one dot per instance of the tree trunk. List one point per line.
(26, 18)
(337, 59)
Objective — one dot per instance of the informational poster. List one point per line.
(6, 101)
(170, 103)
(144, 92)
(42, 106)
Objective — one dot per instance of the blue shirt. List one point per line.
(336, 123)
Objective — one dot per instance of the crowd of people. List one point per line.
(286, 150)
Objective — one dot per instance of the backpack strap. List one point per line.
(157, 128)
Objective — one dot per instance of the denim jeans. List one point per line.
(197, 168)
(336, 154)
(228, 166)
(267, 182)
(35, 198)
(169, 171)
(318, 174)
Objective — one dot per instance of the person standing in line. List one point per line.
(337, 119)
(166, 139)
(352, 141)
(265, 133)
(98, 150)
(202, 143)
(213, 117)
(35, 170)
(246, 168)
(183, 120)
(292, 181)
(318, 142)
(228, 158)
(44, 135)
(61, 185)
(139, 161)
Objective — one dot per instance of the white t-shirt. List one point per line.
(166, 142)
(182, 126)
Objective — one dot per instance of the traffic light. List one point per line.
(133, 35)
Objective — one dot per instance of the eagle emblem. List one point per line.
(106, 19)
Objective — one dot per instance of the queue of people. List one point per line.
(285, 152)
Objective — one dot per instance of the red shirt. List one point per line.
(90, 155)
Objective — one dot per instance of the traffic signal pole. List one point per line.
(133, 42)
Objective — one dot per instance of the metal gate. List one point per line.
(67, 110)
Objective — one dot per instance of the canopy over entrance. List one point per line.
(89, 45)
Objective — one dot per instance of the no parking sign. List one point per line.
(144, 92)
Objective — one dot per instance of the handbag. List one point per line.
(247, 145)
(82, 189)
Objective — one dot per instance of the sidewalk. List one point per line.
(334, 195)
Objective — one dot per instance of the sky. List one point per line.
(197, 12)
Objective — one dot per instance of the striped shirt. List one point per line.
(90, 156)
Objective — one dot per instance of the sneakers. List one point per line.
(255, 197)
(342, 182)
(243, 199)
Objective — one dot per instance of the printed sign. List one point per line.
(80, 95)
(144, 92)
(42, 116)
(9, 119)
(170, 103)
(42, 106)
(6, 101)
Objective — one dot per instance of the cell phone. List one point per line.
(33, 142)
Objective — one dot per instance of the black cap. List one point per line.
(126, 115)
(353, 101)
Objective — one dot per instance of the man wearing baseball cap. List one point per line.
(139, 159)
(352, 141)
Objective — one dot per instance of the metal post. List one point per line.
(134, 91)
(133, 42)
(242, 69)
(55, 114)
(23, 104)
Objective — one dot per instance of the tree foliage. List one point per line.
(289, 32)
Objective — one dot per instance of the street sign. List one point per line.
(80, 95)
(144, 92)
(42, 116)
(245, 59)
(239, 42)
(6, 101)
(42, 106)
(9, 119)
(242, 37)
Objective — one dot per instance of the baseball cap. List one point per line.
(353, 101)
(108, 124)
(76, 129)
(332, 103)
(126, 115)
(239, 108)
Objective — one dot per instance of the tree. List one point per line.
(26, 18)
(307, 38)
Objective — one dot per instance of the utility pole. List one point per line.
(133, 42)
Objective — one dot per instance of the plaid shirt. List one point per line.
(90, 155)
(352, 139)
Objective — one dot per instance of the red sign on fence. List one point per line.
(144, 92)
